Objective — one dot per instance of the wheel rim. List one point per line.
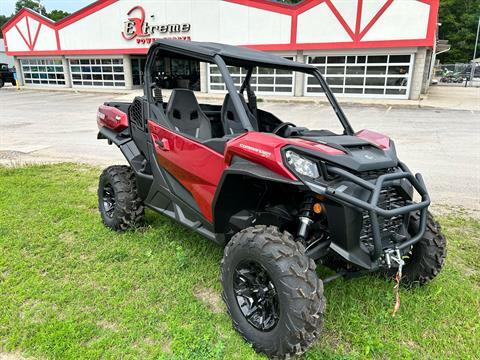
(256, 295)
(108, 197)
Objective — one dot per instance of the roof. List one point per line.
(232, 55)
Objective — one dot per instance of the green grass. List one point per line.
(71, 289)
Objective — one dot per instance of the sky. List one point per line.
(7, 7)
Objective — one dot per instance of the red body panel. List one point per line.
(382, 141)
(112, 118)
(199, 168)
(264, 149)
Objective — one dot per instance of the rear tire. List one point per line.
(14, 83)
(1, 83)
(427, 256)
(118, 202)
(298, 292)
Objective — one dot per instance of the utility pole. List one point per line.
(472, 70)
(476, 41)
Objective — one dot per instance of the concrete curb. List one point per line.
(127, 95)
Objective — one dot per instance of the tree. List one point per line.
(56, 15)
(3, 21)
(459, 19)
(31, 4)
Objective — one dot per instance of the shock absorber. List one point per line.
(305, 218)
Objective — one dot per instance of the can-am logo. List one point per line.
(137, 27)
(260, 152)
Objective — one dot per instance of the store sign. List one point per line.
(145, 33)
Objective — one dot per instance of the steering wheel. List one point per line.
(281, 127)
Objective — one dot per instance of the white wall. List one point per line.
(403, 20)
(4, 58)
(319, 24)
(211, 20)
(45, 40)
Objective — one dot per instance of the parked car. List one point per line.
(7, 75)
(279, 197)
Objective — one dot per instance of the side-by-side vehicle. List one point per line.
(279, 197)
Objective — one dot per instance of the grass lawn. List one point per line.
(71, 289)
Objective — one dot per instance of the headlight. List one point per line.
(302, 165)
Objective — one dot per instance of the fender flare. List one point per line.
(235, 176)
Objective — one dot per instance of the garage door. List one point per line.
(264, 81)
(97, 72)
(43, 71)
(384, 76)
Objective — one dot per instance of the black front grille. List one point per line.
(390, 198)
(375, 174)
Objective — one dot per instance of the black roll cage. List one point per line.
(234, 94)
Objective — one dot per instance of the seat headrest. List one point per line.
(184, 98)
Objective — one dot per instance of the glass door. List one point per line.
(138, 67)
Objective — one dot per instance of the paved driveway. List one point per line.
(38, 126)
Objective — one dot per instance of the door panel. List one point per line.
(197, 167)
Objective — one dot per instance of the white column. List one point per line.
(299, 77)
(203, 77)
(66, 72)
(417, 74)
(427, 70)
(127, 68)
(19, 70)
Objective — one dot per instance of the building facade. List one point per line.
(364, 48)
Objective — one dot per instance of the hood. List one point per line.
(358, 154)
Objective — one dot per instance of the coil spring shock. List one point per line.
(305, 218)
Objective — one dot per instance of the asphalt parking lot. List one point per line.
(40, 126)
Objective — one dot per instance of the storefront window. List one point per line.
(43, 71)
(97, 72)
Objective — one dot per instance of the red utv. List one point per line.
(280, 198)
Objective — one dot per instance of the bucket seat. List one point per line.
(231, 121)
(185, 115)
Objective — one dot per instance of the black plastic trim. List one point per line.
(371, 205)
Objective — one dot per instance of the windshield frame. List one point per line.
(235, 95)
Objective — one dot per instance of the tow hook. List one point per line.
(395, 256)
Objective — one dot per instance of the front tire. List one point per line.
(1, 83)
(272, 291)
(118, 202)
(427, 257)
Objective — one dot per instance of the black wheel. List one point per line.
(272, 291)
(119, 204)
(1, 83)
(14, 83)
(427, 257)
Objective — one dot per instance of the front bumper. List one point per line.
(338, 194)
